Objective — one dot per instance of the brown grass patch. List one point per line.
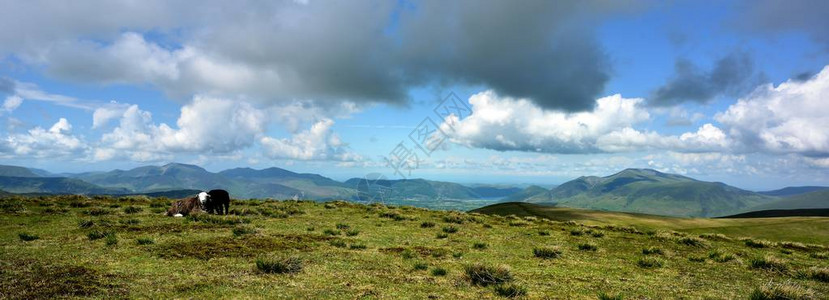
(30, 279)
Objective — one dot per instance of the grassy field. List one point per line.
(105, 248)
(796, 229)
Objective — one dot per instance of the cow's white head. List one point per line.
(203, 197)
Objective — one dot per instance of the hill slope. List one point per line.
(816, 199)
(653, 192)
(387, 254)
(793, 190)
(53, 185)
(15, 171)
(800, 229)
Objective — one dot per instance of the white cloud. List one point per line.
(317, 143)
(789, 118)
(38, 142)
(211, 126)
(12, 102)
(206, 125)
(516, 124)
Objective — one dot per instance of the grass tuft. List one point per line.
(27, 237)
(111, 239)
(769, 263)
(450, 229)
(719, 256)
(243, 230)
(511, 290)
(758, 243)
(780, 291)
(652, 250)
(420, 266)
(649, 262)
(692, 241)
(547, 252)
(588, 247)
(606, 296)
(132, 210)
(331, 232)
(145, 241)
(86, 223)
(483, 275)
(279, 265)
(816, 273)
(357, 246)
(438, 271)
(427, 224)
(480, 245)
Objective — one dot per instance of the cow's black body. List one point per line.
(218, 202)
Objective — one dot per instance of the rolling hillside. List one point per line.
(801, 229)
(15, 171)
(653, 192)
(793, 190)
(816, 199)
(53, 185)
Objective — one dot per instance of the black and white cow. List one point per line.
(215, 201)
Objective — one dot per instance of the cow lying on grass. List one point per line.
(185, 207)
(214, 201)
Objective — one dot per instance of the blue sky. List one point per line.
(726, 91)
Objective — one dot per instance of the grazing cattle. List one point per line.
(184, 207)
(217, 201)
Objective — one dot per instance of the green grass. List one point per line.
(199, 256)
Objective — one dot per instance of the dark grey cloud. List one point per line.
(361, 51)
(803, 76)
(6, 86)
(541, 50)
(731, 75)
(775, 16)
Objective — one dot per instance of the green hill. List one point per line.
(793, 190)
(816, 199)
(158, 178)
(653, 192)
(15, 171)
(276, 181)
(532, 194)
(52, 185)
(800, 229)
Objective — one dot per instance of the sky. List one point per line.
(496, 92)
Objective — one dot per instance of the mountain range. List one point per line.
(631, 190)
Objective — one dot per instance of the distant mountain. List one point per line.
(652, 192)
(413, 189)
(794, 190)
(281, 181)
(53, 185)
(816, 199)
(15, 171)
(154, 178)
(495, 191)
(532, 194)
